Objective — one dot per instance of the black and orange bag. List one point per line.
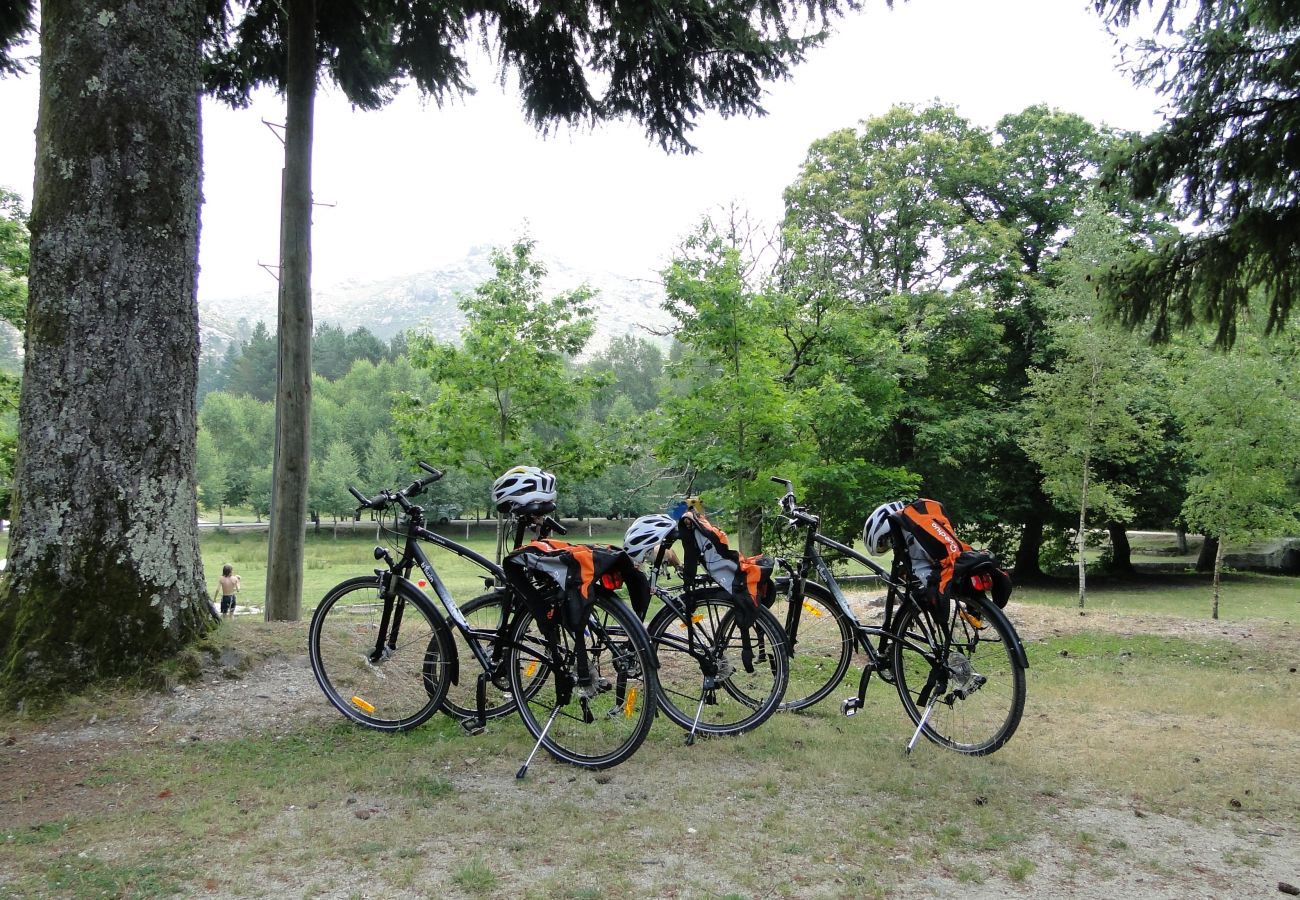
(747, 578)
(958, 568)
(559, 577)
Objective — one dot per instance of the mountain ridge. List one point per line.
(428, 301)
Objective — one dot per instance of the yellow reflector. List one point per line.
(362, 705)
(629, 703)
(812, 609)
(532, 667)
(975, 621)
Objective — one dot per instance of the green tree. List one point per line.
(253, 371)
(660, 64)
(508, 379)
(1081, 413)
(331, 476)
(17, 18)
(104, 489)
(241, 429)
(734, 417)
(210, 473)
(1229, 156)
(14, 256)
(1238, 414)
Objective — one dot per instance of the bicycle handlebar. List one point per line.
(385, 497)
(798, 515)
(549, 524)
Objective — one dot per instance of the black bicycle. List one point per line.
(387, 658)
(957, 664)
(723, 669)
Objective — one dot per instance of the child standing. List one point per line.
(229, 587)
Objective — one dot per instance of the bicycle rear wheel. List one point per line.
(705, 683)
(822, 648)
(484, 614)
(972, 684)
(600, 724)
(383, 663)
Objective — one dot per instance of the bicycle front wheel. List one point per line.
(822, 645)
(602, 722)
(715, 677)
(970, 687)
(382, 662)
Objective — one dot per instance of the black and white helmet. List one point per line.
(524, 487)
(875, 532)
(645, 534)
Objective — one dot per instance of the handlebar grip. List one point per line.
(779, 480)
(555, 526)
(360, 496)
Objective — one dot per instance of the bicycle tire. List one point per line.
(974, 682)
(484, 615)
(395, 689)
(622, 702)
(703, 684)
(822, 649)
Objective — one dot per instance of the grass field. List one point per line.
(1156, 759)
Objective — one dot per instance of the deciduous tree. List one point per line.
(1238, 413)
(658, 63)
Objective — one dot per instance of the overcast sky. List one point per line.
(414, 186)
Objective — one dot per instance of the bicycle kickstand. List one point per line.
(523, 770)
(699, 710)
(925, 717)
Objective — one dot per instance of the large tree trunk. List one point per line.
(1031, 542)
(1121, 552)
(1209, 552)
(293, 391)
(104, 571)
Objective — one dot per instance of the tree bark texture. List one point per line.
(1209, 551)
(104, 572)
(1082, 535)
(1218, 574)
(1031, 542)
(1121, 551)
(293, 389)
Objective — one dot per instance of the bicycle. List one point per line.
(958, 667)
(385, 656)
(723, 668)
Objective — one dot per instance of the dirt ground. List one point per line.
(50, 762)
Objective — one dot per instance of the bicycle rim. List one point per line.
(387, 675)
(973, 685)
(602, 724)
(822, 650)
(704, 682)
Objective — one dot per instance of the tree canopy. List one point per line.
(660, 63)
(1230, 158)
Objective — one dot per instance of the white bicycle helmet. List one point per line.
(875, 531)
(645, 534)
(524, 486)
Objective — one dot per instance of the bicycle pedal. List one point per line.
(472, 727)
(850, 706)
